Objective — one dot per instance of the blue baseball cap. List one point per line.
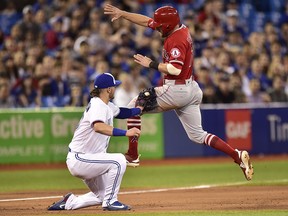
(105, 80)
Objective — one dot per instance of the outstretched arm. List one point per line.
(116, 13)
(127, 113)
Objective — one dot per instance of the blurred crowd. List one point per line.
(52, 50)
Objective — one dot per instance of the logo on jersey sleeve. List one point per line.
(175, 53)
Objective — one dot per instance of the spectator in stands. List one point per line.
(218, 38)
(284, 37)
(276, 68)
(8, 17)
(26, 94)
(199, 41)
(141, 82)
(264, 61)
(94, 20)
(74, 28)
(54, 36)
(203, 77)
(219, 44)
(101, 66)
(209, 95)
(127, 91)
(28, 27)
(208, 13)
(256, 71)
(284, 16)
(223, 63)
(76, 99)
(100, 40)
(256, 95)
(257, 44)
(223, 92)
(236, 87)
(276, 50)
(9, 47)
(277, 92)
(208, 58)
(83, 52)
(234, 43)
(241, 63)
(15, 34)
(232, 23)
(285, 64)
(60, 13)
(41, 20)
(30, 65)
(60, 87)
(91, 65)
(208, 28)
(231, 4)
(270, 38)
(218, 10)
(10, 69)
(119, 60)
(19, 62)
(43, 6)
(6, 99)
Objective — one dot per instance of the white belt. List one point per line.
(178, 81)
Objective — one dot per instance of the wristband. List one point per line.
(136, 111)
(118, 132)
(154, 65)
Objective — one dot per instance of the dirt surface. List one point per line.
(222, 198)
(218, 198)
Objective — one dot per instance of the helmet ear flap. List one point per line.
(168, 27)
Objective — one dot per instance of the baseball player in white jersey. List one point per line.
(180, 92)
(87, 158)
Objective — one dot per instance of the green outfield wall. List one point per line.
(42, 136)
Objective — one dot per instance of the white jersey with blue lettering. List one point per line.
(87, 159)
(85, 139)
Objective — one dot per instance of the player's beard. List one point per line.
(111, 94)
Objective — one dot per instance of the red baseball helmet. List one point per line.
(167, 18)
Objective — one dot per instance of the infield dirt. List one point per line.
(216, 198)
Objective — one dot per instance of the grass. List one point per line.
(266, 173)
(270, 172)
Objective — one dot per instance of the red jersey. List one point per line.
(178, 50)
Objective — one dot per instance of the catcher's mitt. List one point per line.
(147, 99)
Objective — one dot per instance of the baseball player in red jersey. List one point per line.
(180, 91)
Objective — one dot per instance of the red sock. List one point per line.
(133, 141)
(217, 143)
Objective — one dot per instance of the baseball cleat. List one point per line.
(117, 206)
(132, 162)
(60, 205)
(245, 164)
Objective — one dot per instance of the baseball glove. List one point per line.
(147, 99)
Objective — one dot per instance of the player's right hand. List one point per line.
(133, 132)
(142, 60)
(113, 11)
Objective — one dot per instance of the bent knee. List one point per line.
(121, 162)
(198, 138)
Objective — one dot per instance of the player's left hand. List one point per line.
(142, 60)
(115, 12)
(133, 132)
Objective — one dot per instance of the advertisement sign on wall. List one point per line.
(238, 129)
(42, 136)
